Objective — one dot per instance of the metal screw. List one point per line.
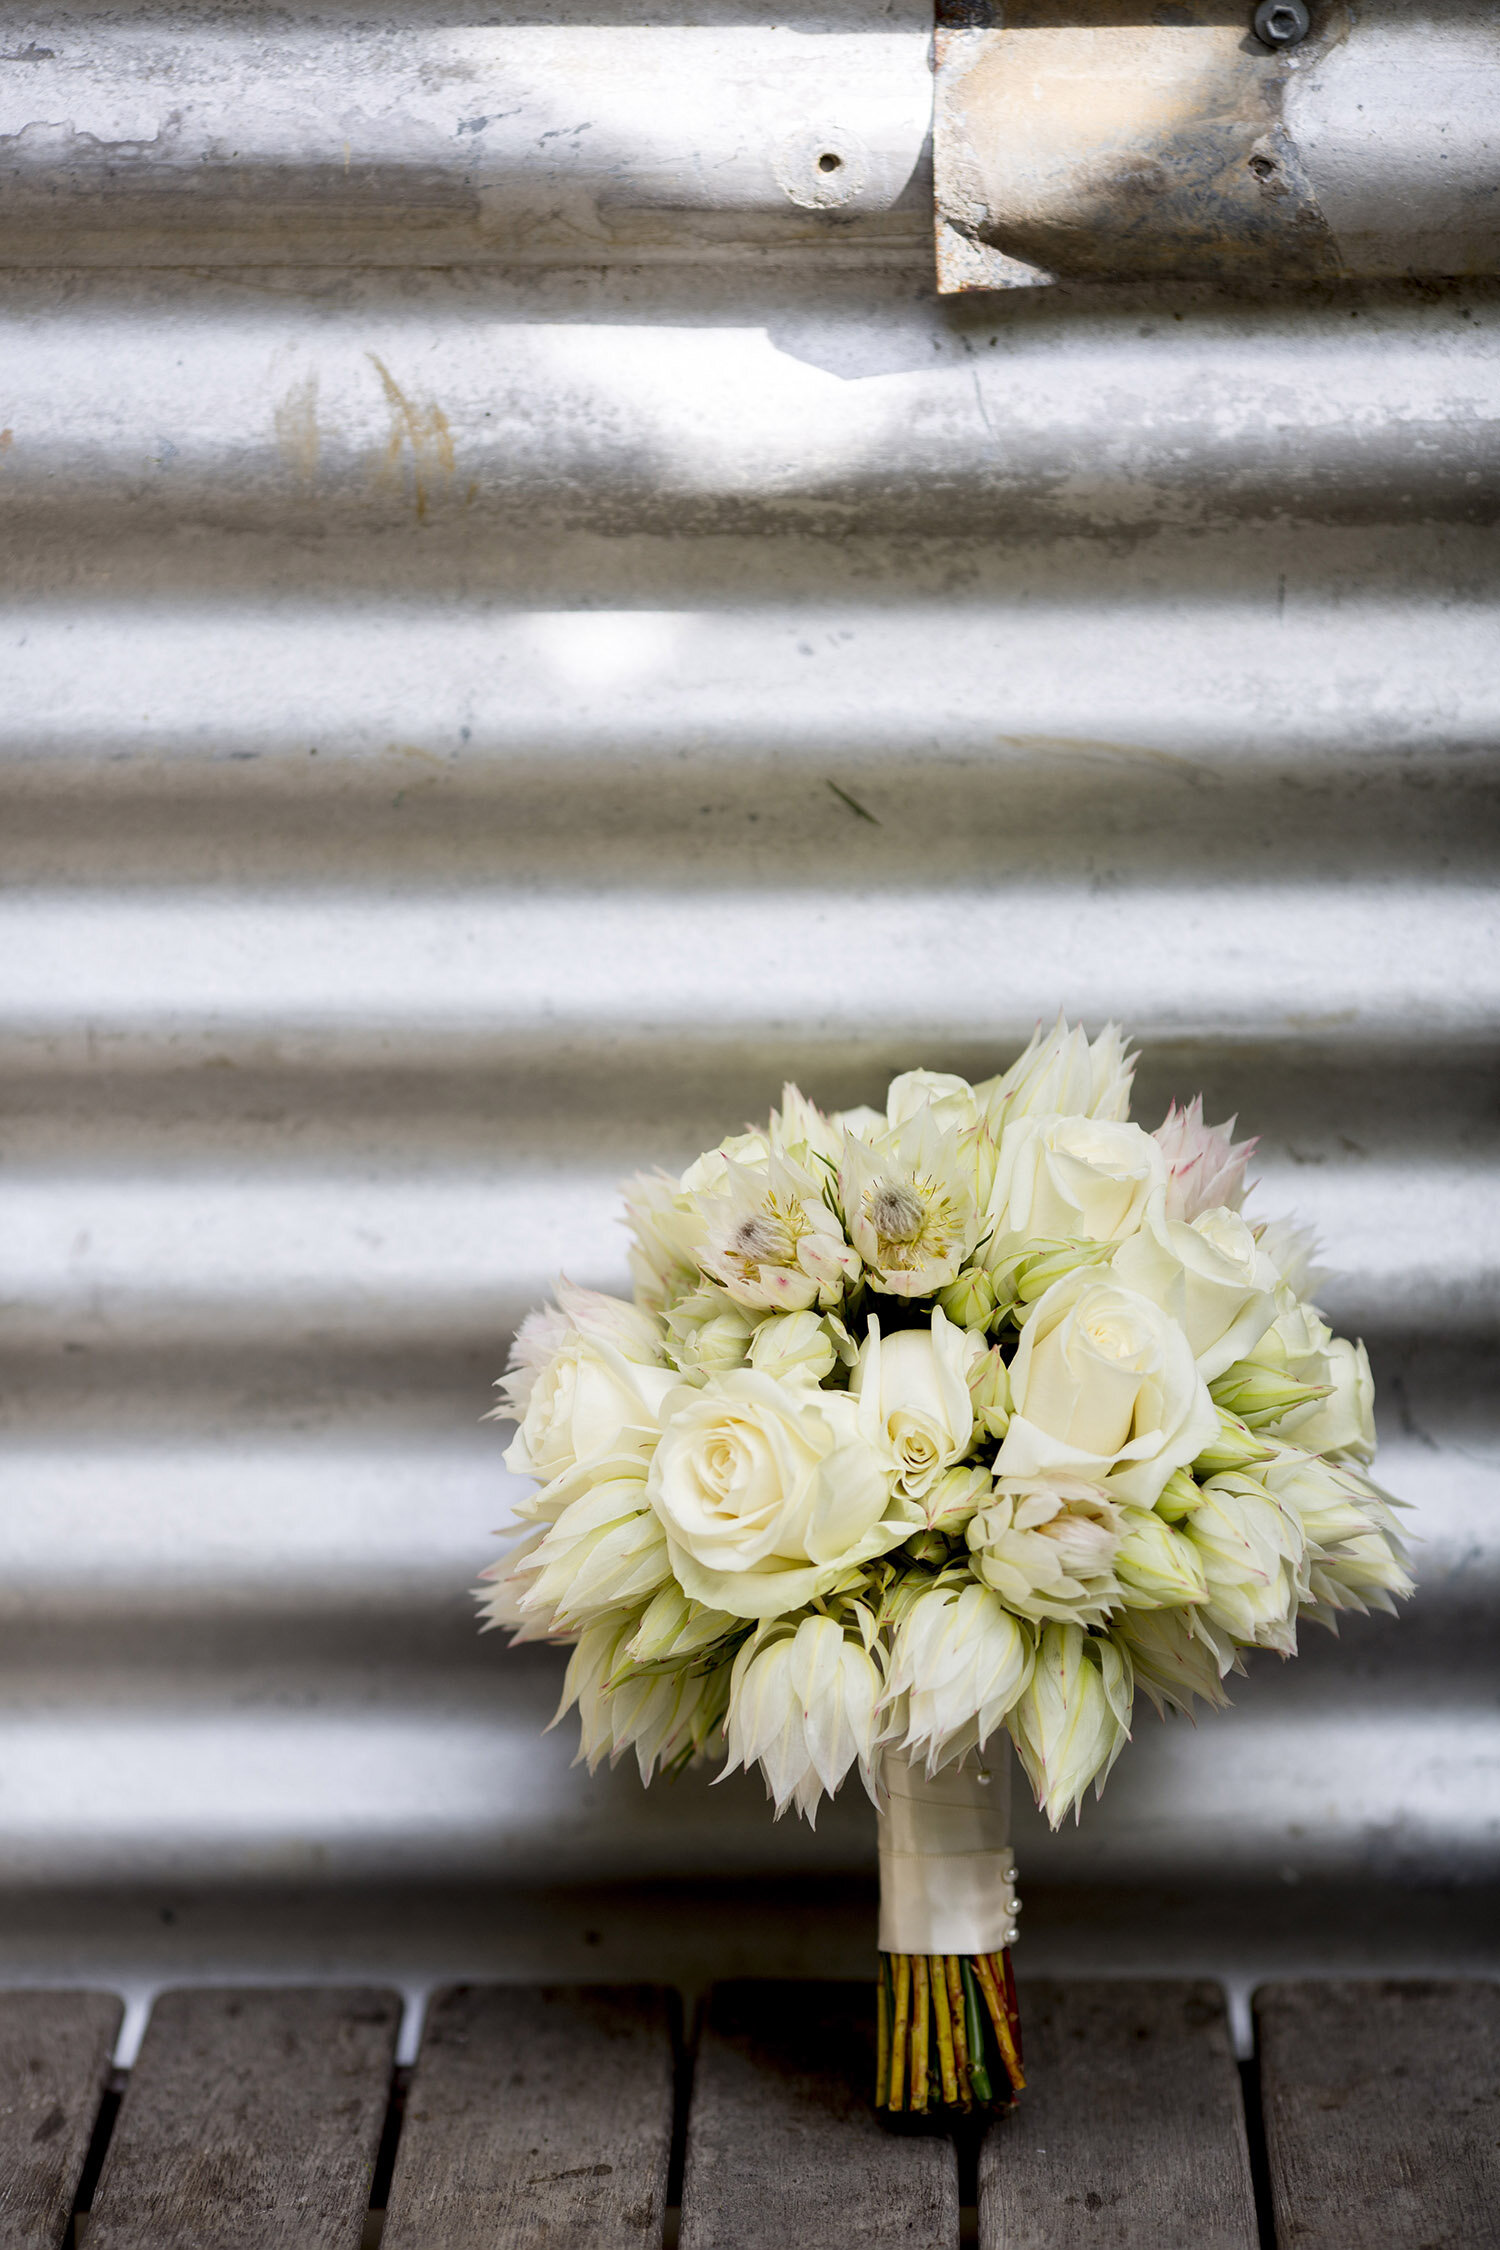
(1282, 23)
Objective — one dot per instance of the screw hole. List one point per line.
(1264, 167)
(829, 162)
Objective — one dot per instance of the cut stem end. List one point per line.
(948, 2036)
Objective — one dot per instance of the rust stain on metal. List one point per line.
(1112, 139)
(296, 419)
(1089, 746)
(424, 428)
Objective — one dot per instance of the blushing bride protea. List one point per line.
(928, 1428)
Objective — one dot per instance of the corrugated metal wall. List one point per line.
(527, 623)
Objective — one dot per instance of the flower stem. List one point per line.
(979, 2076)
(943, 2024)
(994, 2000)
(957, 2012)
(919, 2030)
(948, 2035)
(882, 2032)
(897, 2097)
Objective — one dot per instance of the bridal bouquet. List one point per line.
(966, 1418)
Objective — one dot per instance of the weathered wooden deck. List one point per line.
(568, 2118)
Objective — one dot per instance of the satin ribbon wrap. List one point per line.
(947, 1878)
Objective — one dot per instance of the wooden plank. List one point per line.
(251, 2122)
(1131, 2132)
(55, 2050)
(1382, 2113)
(783, 2148)
(537, 2116)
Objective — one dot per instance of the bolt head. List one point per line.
(1282, 23)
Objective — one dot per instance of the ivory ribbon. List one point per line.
(947, 1878)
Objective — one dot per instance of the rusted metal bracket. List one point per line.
(1118, 139)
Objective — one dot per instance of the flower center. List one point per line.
(762, 1240)
(895, 1212)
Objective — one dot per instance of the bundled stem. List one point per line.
(920, 2014)
(901, 1986)
(948, 2034)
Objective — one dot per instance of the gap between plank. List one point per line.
(93, 2163)
(967, 2140)
(385, 2157)
(1255, 2135)
(686, 2033)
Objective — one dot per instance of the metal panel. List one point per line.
(196, 135)
(1102, 138)
(473, 727)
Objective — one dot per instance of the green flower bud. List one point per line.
(969, 1301)
(674, 1627)
(1172, 1662)
(989, 1390)
(1156, 1566)
(1179, 1497)
(1258, 1395)
(1251, 1549)
(955, 1497)
(929, 1547)
(1035, 1275)
(1235, 1447)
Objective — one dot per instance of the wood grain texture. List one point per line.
(55, 2050)
(1382, 2112)
(251, 2122)
(1131, 2132)
(539, 2118)
(783, 2147)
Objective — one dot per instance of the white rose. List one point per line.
(914, 1402)
(797, 1344)
(1073, 1179)
(767, 1491)
(712, 1344)
(1104, 1384)
(951, 1099)
(1209, 1275)
(588, 1403)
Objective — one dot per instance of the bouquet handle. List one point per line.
(949, 2036)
